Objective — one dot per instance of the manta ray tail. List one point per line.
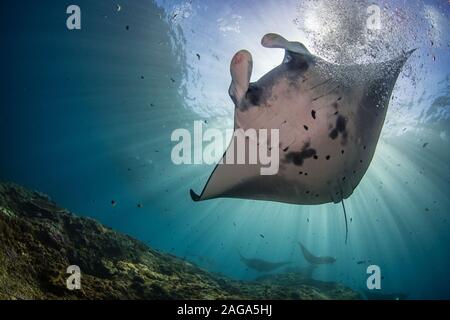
(346, 225)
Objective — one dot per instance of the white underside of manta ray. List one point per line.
(329, 119)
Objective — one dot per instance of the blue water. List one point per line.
(86, 117)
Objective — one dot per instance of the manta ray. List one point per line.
(314, 260)
(329, 119)
(261, 265)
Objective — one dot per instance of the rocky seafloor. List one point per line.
(39, 240)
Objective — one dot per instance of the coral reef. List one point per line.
(39, 240)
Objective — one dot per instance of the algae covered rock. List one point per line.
(39, 240)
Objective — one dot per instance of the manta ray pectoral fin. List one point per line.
(380, 79)
(211, 188)
(225, 177)
(410, 52)
(194, 196)
(241, 71)
(388, 71)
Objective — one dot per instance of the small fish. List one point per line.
(172, 79)
(198, 56)
(361, 262)
(425, 144)
(262, 236)
(113, 203)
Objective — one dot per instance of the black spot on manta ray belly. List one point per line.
(340, 124)
(298, 157)
(341, 127)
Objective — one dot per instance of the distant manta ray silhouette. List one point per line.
(315, 260)
(262, 265)
(329, 119)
